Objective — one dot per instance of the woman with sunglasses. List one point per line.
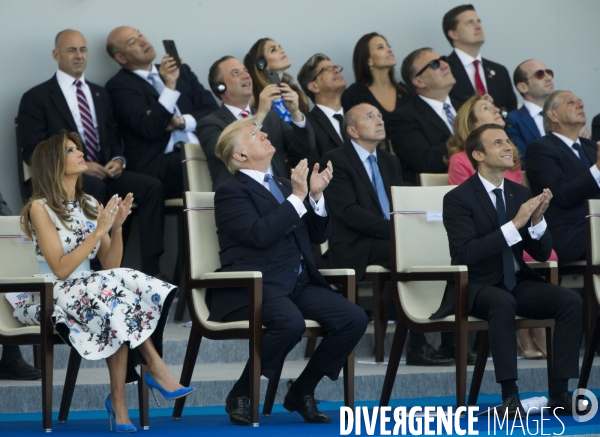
(265, 56)
(115, 314)
(476, 111)
(373, 63)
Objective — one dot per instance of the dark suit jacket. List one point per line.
(4, 209)
(44, 112)
(476, 240)
(596, 128)
(419, 138)
(497, 79)
(143, 120)
(325, 134)
(551, 164)
(256, 233)
(290, 142)
(522, 130)
(357, 216)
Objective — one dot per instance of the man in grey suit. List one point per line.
(12, 364)
(230, 81)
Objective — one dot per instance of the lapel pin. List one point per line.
(97, 94)
(492, 74)
(510, 194)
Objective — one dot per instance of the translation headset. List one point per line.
(217, 87)
(261, 62)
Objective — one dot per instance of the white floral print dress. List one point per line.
(96, 312)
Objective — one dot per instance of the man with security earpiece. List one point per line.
(230, 81)
(267, 224)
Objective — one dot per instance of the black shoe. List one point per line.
(426, 355)
(563, 405)
(239, 410)
(450, 352)
(306, 406)
(19, 370)
(512, 404)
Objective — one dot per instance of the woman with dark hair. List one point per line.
(265, 56)
(373, 62)
(117, 314)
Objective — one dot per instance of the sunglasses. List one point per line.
(541, 73)
(328, 69)
(435, 64)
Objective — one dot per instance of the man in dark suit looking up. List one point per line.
(324, 83)
(570, 166)
(360, 209)
(68, 101)
(490, 221)
(267, 224)
(474, 74)
(156, 106)
(230, 81)
(421, 128)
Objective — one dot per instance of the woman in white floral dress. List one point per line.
(103, 314)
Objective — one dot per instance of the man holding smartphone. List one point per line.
(230, 81)
(156, 106)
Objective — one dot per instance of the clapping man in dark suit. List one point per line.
(324, 83)
(156, 106)
(360, 209)
(490, 221)
(68, 101)
(474, 74)
(421, 128)
(268, 224)
(230, 81)
(569, 166)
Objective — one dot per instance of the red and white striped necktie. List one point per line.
(244, 113)
(90, 138)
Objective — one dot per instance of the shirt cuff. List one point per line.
(122, 158)
(302, 123)
(511, 234)
(538, 230)
(168, 98)
(297, 204)
(319, 206)
(190, 123)
(595, 173)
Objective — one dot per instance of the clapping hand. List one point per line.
(299, 184)
(320, 181)
(123, 210)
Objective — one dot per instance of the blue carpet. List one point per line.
(213, 421)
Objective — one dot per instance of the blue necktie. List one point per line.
(179, 136)
(449, 115)
(508, 264)
(379, 187)
(582, 156)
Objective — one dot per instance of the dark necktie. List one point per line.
(582, 156)
(90, 137)
(274, 189)
(508, 264)
(340, 119)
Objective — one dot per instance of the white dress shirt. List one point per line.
(510, 232)
(298, 205)
(168, 98)
(536, 113)
(438, 107)
(467, 61)
(330, 113)
(569, 142)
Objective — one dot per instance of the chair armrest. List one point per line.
(25, 280)
(231, 275)
(431, 273)
(548, 269)
(344, 277)
(436, 269)
(543, 265)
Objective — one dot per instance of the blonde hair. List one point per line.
(229, 141)
(465, 122)
(48, 164)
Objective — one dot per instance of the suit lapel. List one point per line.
(360, 170)
(226, 115)
(529, 121)
(460, 74)
(568, 154)
(99, 110)
(431, 116)
(258, 188)
(490, 77)
(144, 83)
(484, 199)
(325, 123)
(58, 99)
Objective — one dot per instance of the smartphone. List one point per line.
(274, 78)
(172, 51)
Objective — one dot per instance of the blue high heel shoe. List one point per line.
(111, 415)
(168, 395)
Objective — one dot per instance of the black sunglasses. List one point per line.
(435, 64)
(540, 74)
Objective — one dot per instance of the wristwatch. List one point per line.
(182, 125)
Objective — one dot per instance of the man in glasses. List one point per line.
(230, 81)
(419, 131)
(324, 84)
(474, 74)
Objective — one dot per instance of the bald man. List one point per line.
(156, 106)
(68, 101)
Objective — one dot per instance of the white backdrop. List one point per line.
(561, 33)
